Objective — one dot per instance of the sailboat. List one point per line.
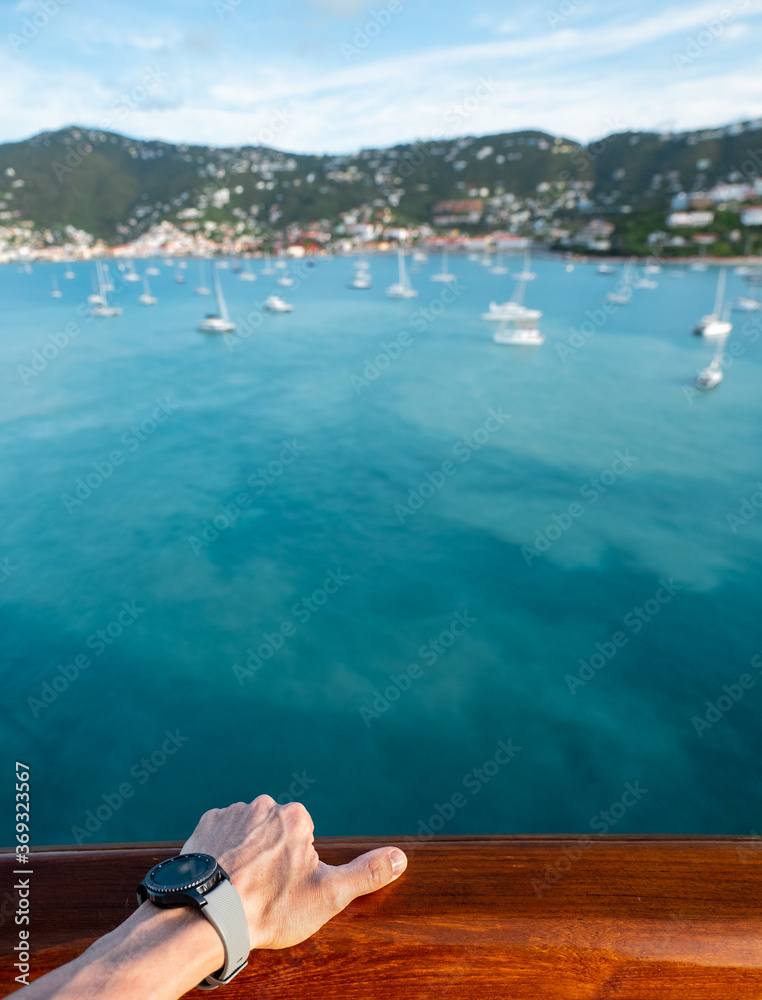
(69, 274)
(444, 275)
(285, 280)
(518, 325)
(527, 274)
(623, 293)
(202, 288)
(745, 304)
(246, 274)
(519, 332)
(100, 306)
(500, 267)
(153, 271)
(146, 299)
(131, 274)
(55, 292)
(220, 321)
(712, 375)
(401, 289)
(274, 303)
(267, 269)
(362, 279)
(514, 309)
(711, 325)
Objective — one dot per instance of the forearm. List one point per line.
(155, 953)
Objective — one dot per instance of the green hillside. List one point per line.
(115, 188)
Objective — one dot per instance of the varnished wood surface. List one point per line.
(492, 917)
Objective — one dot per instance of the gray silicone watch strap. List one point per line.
(224, 911)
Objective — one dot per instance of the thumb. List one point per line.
(366, 874)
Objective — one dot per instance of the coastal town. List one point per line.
(501, 192)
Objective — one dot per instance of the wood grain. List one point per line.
(491, 917)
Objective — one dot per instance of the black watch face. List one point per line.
(182, 872)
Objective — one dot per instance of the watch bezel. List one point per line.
(203, 883)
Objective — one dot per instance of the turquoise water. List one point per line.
(612, 427)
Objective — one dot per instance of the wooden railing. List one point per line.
(630, 918)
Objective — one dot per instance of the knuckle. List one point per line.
(296, 814)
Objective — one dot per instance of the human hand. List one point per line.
(287, 891)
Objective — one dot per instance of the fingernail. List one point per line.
(398, 860)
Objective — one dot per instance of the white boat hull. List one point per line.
(519, 338)
(215, 324)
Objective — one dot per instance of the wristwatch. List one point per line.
(197, 880)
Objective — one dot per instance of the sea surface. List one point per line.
(361, 556)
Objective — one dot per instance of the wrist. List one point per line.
(155, 952)
(162, 935)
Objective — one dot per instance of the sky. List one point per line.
(342, 75)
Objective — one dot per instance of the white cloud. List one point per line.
(574, 81)
(735, 30)
(150, 44)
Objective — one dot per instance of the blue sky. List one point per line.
(340, 75)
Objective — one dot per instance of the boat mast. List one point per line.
(222, 308)
(720, 291)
